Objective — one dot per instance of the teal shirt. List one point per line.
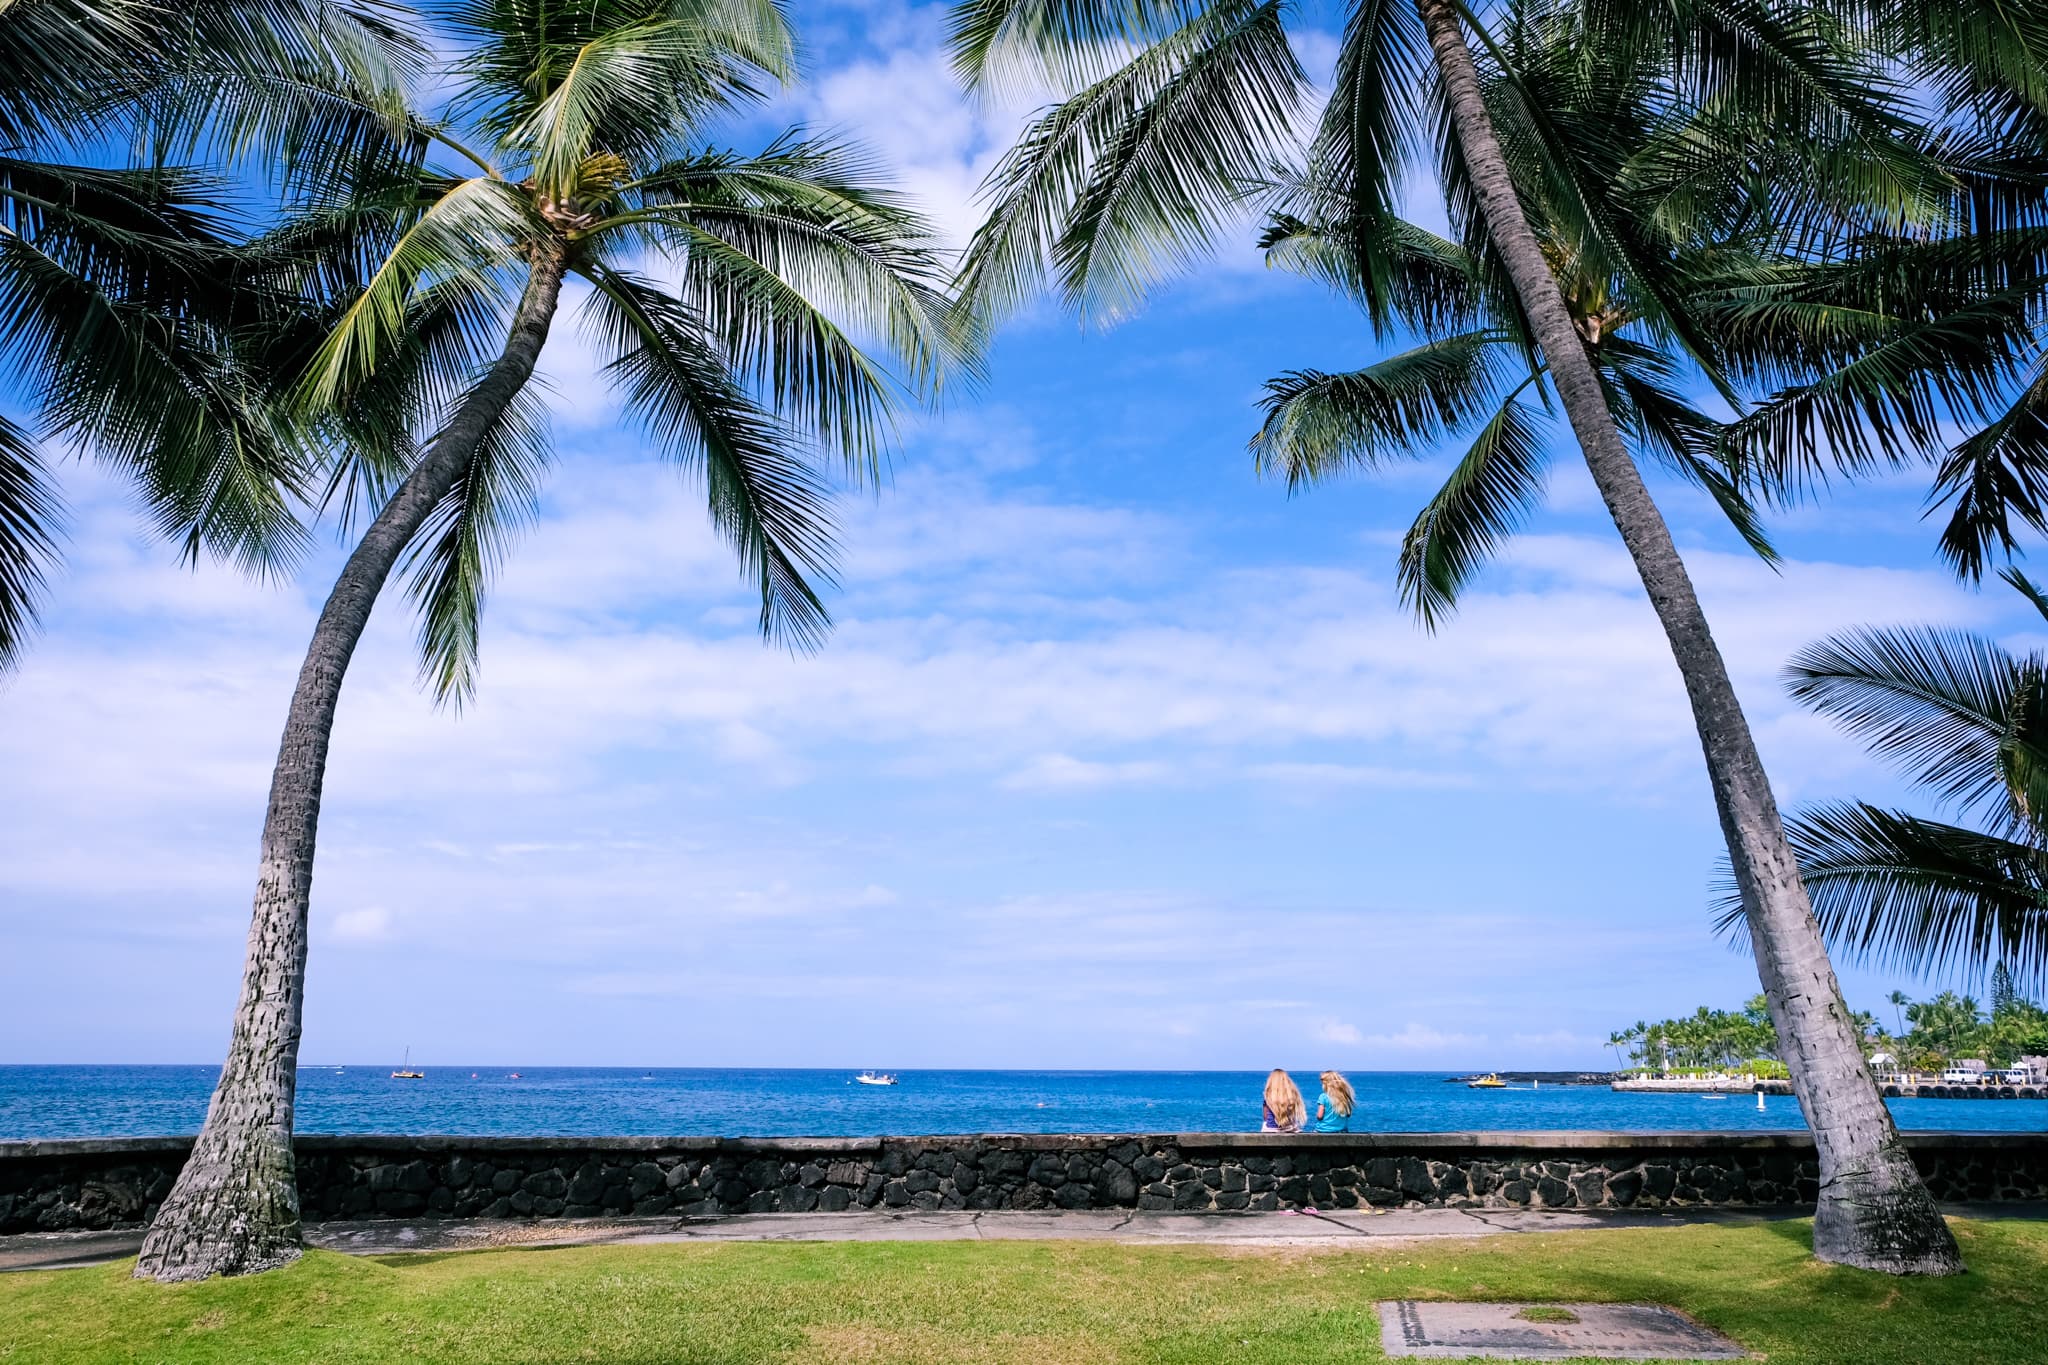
(1331, 1121)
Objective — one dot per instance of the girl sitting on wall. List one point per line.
(1285, 1111)
(1334, 1105)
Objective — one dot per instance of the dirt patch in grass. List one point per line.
(1543, 1312)
(861, 1344)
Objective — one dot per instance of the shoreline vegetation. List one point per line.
(1949, 1040)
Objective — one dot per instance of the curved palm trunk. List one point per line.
(1874, 1211)
(235, 1207)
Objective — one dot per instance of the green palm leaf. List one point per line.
(166, 401)
(1995, 474)
(472, 234)
(29, 512)
(1181, 166)
(1318, 423)
(1488, 496)
(1398, 272)
(557, 83)
(1064, 42)
(800, 268)
(54, 54)
(627, 89)
(464, 540)
(1938, 703)
(291, 88)
(1370, 129)
(1897, 891)
(1117, 186)
(764, 497)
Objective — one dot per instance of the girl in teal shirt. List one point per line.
(1334, 1105)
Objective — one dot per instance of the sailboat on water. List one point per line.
(405, 1071)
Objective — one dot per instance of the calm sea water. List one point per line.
(108, 1101)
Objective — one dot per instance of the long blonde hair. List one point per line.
(1339, 1091)
(1284, 1099)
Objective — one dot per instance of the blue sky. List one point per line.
(1119, 756)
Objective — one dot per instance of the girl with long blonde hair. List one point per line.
(1285, 1110)
(1334, 1105)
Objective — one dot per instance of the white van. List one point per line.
(1961, 1075)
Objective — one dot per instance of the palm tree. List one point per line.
(1176, 114)
(127, 309)
(1899, 999)
(1909, 335)
(569, 144)
(1949, 1024)
(1967, 721)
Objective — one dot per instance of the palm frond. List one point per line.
(764, 497)
(800, 266)
(1884, 404)
(471, 233)
(1899, 892)
(176, 405)
(29, 513)
(1995, 474)
(1125, 182)
(2027, 588)
(1371, 126)
(1488, 496)
(1180, 168)
(291, 89)
(53, 56)
(1001, 44)
(463, 541)
(629, 88)
(1937, 703)
(1678, 436)
(1318, 423)
(557, 83)
(1399, 273)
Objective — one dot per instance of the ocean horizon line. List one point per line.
(419, 1062)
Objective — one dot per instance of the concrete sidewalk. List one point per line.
(1333, 1228)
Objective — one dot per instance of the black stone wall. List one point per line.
(102, 1184)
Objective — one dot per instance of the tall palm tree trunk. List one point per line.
(235, 1207)
(1874, 1211)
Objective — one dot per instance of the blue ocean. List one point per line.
(123, 1101)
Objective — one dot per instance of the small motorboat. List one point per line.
(875, 1078)
(405, 1071)
(1490, 1081)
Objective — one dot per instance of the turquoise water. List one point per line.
(110, 1101)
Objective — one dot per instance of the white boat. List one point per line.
(875, 1078)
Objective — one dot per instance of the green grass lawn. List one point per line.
(1031, 1303)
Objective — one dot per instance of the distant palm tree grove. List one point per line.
(1933, 1035)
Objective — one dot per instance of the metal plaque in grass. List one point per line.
(1548, 1331)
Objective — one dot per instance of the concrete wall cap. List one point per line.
(1509, 1141)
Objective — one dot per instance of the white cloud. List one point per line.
(1336, 1031)
(366, 925)
(1422, 1038)
(1056, 772)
